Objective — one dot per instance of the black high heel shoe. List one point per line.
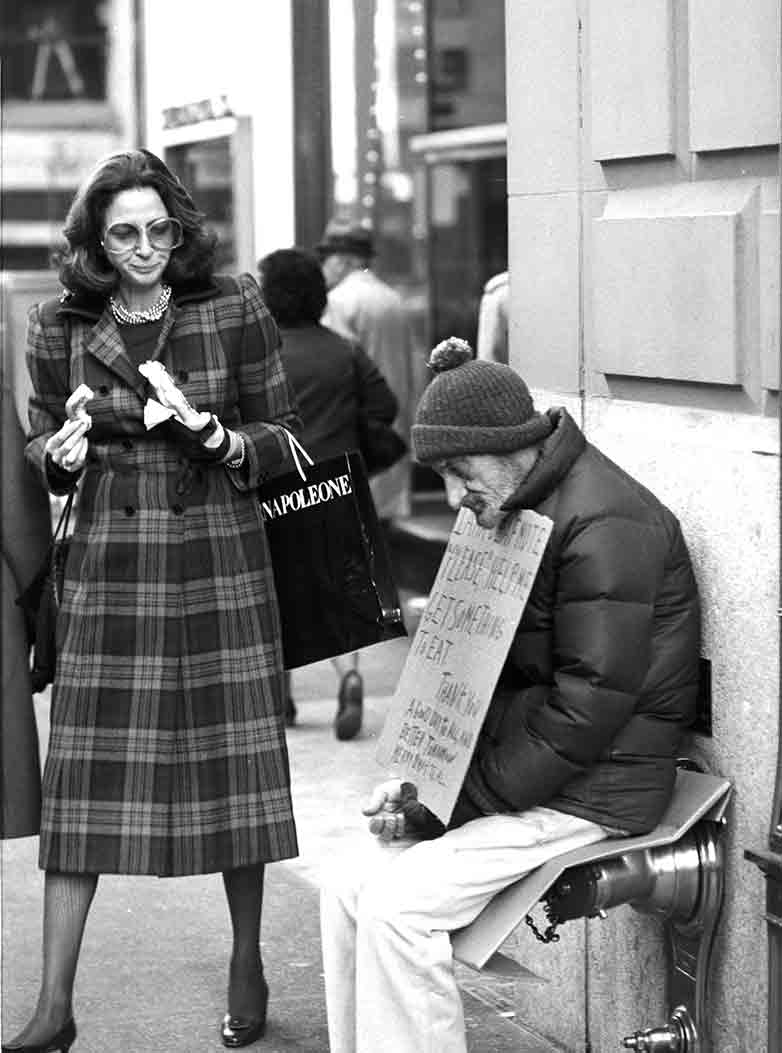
(240, 1031)
(59, 1043)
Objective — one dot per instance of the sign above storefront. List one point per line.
(195, 112)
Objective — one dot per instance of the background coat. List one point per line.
(333, 378)
(26, 533)
(602, 676)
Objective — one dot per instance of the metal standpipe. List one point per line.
(683, 884)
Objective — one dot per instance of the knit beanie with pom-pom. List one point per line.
(473, 407)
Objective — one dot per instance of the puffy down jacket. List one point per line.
(601, 678)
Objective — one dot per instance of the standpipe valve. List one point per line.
(677, 1036)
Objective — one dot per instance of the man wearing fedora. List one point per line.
(580, 737)
(364, 308)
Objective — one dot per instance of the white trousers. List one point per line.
(386, 919)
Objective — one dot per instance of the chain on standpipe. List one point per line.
(550, 935)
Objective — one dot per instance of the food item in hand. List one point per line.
(76, 405)
(170, 396)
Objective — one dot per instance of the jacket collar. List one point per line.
(559, 452)
(90, 306)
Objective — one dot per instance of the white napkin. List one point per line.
(155, 413)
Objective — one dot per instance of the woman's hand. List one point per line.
(210, 445)
(68, 446)
(170, 396)
(199, 435)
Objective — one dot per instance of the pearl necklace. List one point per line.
(149, 314)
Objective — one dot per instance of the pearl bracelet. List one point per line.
(237, 461)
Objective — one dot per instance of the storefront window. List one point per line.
(418, 147)
(468, 237)
(53, 51)
(206, 169)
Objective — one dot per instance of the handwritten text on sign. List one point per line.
(457, 654)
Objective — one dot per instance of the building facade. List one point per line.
(643, 214)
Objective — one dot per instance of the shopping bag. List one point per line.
(332, 571)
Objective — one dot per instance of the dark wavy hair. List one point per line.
(84, 266)
(293, 286)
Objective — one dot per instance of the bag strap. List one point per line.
(65, 515)
(296, 448)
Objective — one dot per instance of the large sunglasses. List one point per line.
(163, 234)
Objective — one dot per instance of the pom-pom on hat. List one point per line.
(473, 407)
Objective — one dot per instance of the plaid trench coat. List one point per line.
(167, 751)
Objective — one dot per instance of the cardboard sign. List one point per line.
(458, 652)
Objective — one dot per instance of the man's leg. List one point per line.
(338, 910)
(386, 943)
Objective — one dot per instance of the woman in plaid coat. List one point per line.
(167, 753)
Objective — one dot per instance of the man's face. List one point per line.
(482, 482)
(333, 269)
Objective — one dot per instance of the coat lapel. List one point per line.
(106, 345)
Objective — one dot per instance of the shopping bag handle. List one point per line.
(296, 448)
(61, 529)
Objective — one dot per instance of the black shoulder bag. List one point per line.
(40, 603)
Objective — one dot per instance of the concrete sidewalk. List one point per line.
(153, 967)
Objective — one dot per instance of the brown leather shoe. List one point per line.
(350, 709)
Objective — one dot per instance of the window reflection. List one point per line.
(417, 67)
(206, 169)
(54, 51)
(467, 61)
(467, 242)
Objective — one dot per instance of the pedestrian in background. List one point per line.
(26, 535)
(366, 309)
(334, 381)
(167, 753)
(363, 308)
(492, 342)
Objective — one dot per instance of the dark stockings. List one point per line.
(66, 904)
(246, 987)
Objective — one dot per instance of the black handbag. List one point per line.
(381, 446)
(40, 603)
(332, 572)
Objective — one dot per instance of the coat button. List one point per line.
(177, 509)
(127, 444)
(182, 376)
(130, 510)
(103, 389)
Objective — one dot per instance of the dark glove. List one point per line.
(419, 820)
(192, 443)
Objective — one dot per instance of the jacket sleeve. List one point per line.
(492, 340)
(267, 404)
(602, 629)
(375, 397)
(48, 364)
